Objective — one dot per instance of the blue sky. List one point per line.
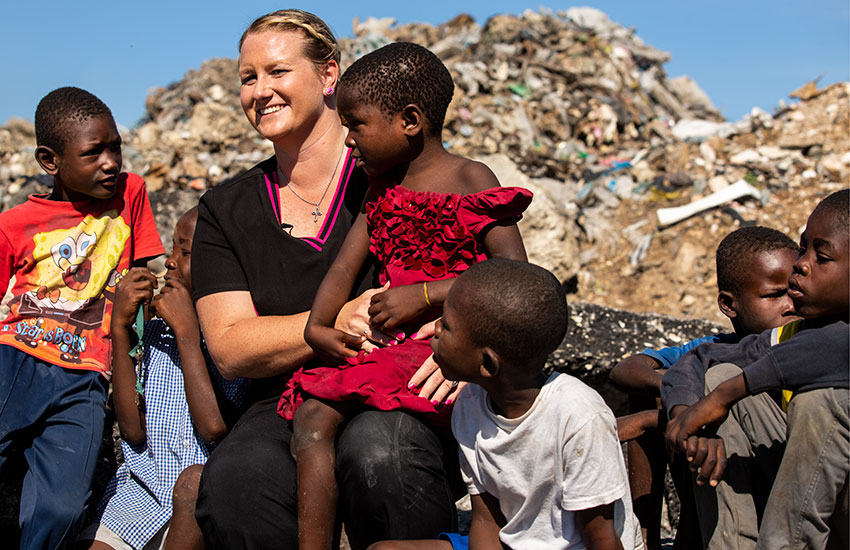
(744, 54)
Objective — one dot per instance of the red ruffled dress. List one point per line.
(417, 237)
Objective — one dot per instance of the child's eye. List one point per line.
(821, 259)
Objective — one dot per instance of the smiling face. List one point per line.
(179, 263)
(762, 301)
(282, 90)
(378, 139)
(820, 279)
(90, 162)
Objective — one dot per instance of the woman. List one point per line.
(262, 245)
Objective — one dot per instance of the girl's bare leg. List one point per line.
(315, 426)
(184, 533)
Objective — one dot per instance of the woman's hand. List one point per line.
(133, 290)
(435, 387)
(396, 305)
(354, 319)
(174, 305)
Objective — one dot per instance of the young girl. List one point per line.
(171, 404)
(428, 216)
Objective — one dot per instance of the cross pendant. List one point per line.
(316, 213)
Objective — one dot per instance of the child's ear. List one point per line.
(47, 158)
(726, 303)
(413, 119)
(490, 363)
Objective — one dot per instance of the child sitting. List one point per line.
(60, 257)
(803, 489)
(428, 216)
(539, 453)
(167, 405)
(753, 265)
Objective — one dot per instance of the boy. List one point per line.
(539, 453)
(753, 265)
(810, 357)
(183, 409)
(61, 255)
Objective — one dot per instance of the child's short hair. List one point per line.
(59, 111)
(837, 205)
(321, 44)
(516, 308)
(401, 74)
(736, 249)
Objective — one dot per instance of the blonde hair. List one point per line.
(321, 45)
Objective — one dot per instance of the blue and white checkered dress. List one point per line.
(137, 502)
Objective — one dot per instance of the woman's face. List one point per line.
(281, 88)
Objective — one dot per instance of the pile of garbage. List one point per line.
(569, 103)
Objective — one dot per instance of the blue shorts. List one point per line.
(459, 542)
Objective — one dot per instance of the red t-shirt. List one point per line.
(59, 262)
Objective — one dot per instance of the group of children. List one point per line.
(540, 453)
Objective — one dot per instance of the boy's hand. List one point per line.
(706, 453)
(131, 292)
(174, 305)
(396, 305)
(332, 346)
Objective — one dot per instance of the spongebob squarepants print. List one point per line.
(75, 273)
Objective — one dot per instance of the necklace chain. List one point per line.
(316, 212)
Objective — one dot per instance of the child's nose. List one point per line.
(170, 263)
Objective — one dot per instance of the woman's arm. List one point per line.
(174, 305)
(131, 292)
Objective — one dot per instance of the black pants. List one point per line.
(395, 477)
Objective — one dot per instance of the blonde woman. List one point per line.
(262, 246)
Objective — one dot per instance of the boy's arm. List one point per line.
(597, 528)
(487, 520)
(330, 343)
(638, 373)
(174, 305)
(131, 292)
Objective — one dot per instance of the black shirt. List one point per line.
(239, 244)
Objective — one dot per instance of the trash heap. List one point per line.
(568, 103)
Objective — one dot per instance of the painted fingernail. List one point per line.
(449, 401)
(414, 335)
(435, 402)
(411, 386)
(393, 342)
(399, 336)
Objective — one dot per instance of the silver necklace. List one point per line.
(316, 212)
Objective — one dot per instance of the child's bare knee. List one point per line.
(314, 423)
(186, 487)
